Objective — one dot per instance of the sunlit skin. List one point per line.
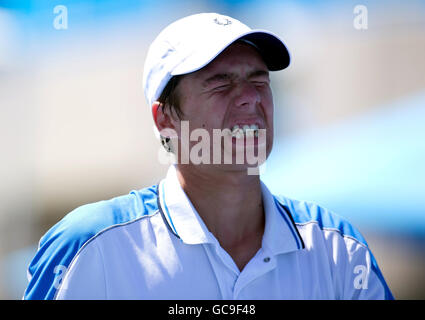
(233, 89)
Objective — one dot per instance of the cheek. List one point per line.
(269, 110)
(269, 115)
(210, 115)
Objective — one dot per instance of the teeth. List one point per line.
(237, 132)
(246, 130)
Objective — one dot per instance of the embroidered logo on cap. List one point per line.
(222, 21)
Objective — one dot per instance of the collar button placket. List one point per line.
(261, 264)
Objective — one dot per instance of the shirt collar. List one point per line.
(280, 233)
(182, 218)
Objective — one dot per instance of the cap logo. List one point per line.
(222, 21)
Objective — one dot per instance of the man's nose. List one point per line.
(247, 95)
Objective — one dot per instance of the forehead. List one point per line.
(238, 57)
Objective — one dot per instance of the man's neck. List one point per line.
(229, 203)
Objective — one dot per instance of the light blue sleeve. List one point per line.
(56, 250)
(60, 245)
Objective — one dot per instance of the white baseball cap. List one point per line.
(190, 43)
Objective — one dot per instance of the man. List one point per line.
(211, 229)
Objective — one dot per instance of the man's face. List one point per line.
(234, 89)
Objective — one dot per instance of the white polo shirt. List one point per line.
(152, 244)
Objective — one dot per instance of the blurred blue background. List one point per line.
(349, 117)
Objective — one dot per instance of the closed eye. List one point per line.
(217, 81)
(221, 87)
(260, 83)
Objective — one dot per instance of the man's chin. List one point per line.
(242, 168)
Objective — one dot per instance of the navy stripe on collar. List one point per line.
(286, 213)
(160, 193)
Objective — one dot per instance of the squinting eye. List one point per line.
(260, 83)
(222, 87)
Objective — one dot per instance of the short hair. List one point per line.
(170, 98)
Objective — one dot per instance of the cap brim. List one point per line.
(271, 48)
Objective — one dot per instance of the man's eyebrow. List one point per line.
(258, 73)
(228, 76)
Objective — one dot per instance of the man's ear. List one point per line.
(161, 118)
(163, 121)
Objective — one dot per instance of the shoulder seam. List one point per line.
(335, 230)
(374, 267)
(86, 243)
